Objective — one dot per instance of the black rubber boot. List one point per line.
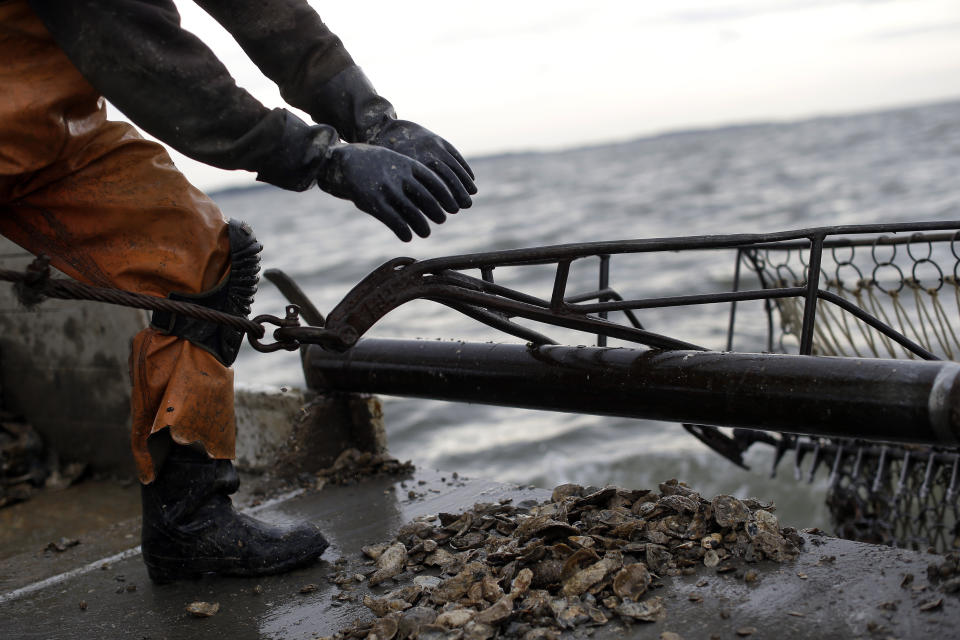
(190, 526)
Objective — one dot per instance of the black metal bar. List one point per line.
(835, 243)
(500, 290)
(765, 294)
(599, 294)
(733, 303)
(573, 251)
(810, 299)
(575, 316)
(883, 328)
(631, 316)
(500, 323)
(768, 304)
(872, 399)
(603, 285)
(560, 285)
(567, 320)
(609, 294)
(544, 315)
(700, 298)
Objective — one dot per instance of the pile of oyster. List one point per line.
(582, 558)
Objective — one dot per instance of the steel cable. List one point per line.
(36, 279)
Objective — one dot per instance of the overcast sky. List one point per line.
(502, 75)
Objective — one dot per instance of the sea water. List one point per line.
(893, 166)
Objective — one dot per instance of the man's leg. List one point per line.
(110, 209)
(128, 219)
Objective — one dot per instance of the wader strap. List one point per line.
(233, 295)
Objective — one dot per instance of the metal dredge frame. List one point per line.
(906, 496)
(442, 280)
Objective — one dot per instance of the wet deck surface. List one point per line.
(856, 595)
(76, 512)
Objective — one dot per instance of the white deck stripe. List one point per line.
(62, 577)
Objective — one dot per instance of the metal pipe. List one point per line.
(873, 399)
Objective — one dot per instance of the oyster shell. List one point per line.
(455, 618)
(521, 583)
(498, 612)
(649, 610)
(547, 572)
(565, 491)
(582, 580)
(728, 511)
(413, 619)
(457, 586)
(203, 609)
(569, 612)
(374, 551)
(440, 558)
(390, 562)
(546, 528)
(632, 581)
(384, 606)
(581, 558)
(659, 560)
(541, 633)
(436, 632)
(474, 630)
(679, 503)
(385, 628)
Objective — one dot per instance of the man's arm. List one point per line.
(289, 42)
(169, 83)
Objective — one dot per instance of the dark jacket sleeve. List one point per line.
(292, 46)
(287, 40)
(169, 83)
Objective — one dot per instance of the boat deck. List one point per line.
(858, 594)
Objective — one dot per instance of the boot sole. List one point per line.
(163, 570)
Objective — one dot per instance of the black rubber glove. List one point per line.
(396, 190)
(419, 143)
(349, 102)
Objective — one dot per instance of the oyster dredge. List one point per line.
(431, 554)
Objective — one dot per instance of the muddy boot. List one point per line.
(190, 526)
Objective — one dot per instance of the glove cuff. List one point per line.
(300, 150)
(349, 103)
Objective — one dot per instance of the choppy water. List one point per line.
(899, 165)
